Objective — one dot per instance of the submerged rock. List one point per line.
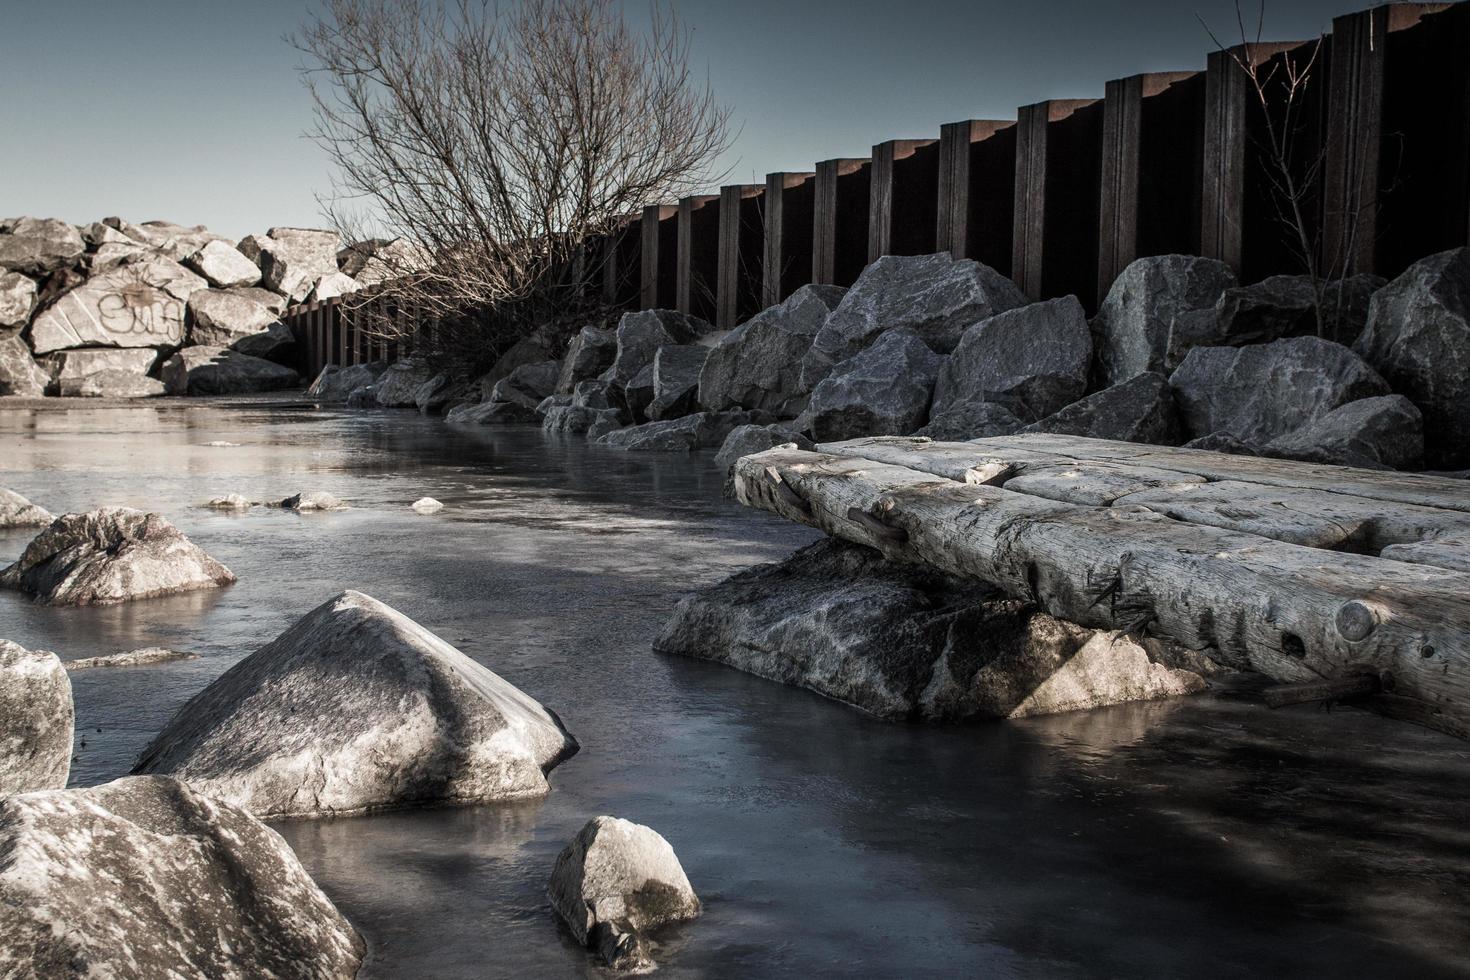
(427, 505)
(17, 511)
(355, 708)
(491, 413)
(313, 500)
(702, 430)
(130, 658)
(147, 877)
(36, 718)
(230, 501)
(616, 881)
(113, 554)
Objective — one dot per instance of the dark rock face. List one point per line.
(590, 353)
(208, 370)
(746, 440)
(641, 334)
(758, 364)
(1263, 391)
(1140, 409)
(676, 380)
(1276, 307)
(1418, 337)
(19, 372)
(335, 382)
(110, 555)
(933, 295)
(399, 383)
(900, 641)
(883, 390)
(528, 384)
(355, 708)
(1136, 319)
(971, 420)
(1033, 360)
(153, 879)
(36, 718)
(1386, 432)
(702, 430)
(638, 393)
(491, 413)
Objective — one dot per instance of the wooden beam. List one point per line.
(963, 179)
(1058, 177)
(658, 258)
(787, 263)
(740, 255)
(621, 269)
(903, 198)
(698, 255)
(840, 220)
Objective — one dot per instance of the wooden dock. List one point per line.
(1302, 572)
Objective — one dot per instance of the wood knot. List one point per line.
(1355, 621)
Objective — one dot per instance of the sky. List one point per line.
(192, 110)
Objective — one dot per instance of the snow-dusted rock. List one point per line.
(354, 708)
(758, 364)
(20, 375)
(110, 555)
(17, 511)
(312, 500)
(616, 881)
(1136, 319)
(144, 657)
(147, 877)
(17, 299)
(883, 390)
(224, 265)
(212, 370)
(140, 304)
(36, 718)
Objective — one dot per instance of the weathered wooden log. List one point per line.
(1329, 690)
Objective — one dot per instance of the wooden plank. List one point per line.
(658, 258)
(1058, 180)
(903, 198)
(740, 255)
(696, 279)
(840, 220)
(787, 263)
(1291, 612)
(966, 181)
(622, 263)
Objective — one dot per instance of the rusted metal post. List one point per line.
(903, 198)
(977, 173)
(658, 260)
(1058, 176)
(840, 220)
(698, 255)
(787, 263)
(741, 254)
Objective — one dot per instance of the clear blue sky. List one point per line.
(193, 112)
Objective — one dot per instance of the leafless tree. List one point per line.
(495, 141)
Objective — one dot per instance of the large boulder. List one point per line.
(39, 245)
(398, 384)
(616, 881)
(758, 364)
(379, 260)
(111, 384)
(140, 304)
(147, 877)
(528, 385)
(230, 317)
(1033, 360)
(882, 390)
(331, 286)
(935, 296)
(491, 413)
(213, 370)
(73, 365)
(224, 265)
(676, 371)
(746, 440)
(174, 241)
(1134, 323)
(904, 642)
(641, 334)
(17, 299)
(356, 708)
(1386, 432)
(291, 260)
(19, 373)
(336, 382)
(1418, 337)
(1259, 392)
(36, 718)
(111, 555)
(590, 353)
(702, 430)
(110, 255)
(17, 511)
(1140, 409)
(963, 421)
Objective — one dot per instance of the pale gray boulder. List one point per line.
(224, 265)
(173, 241)
(39, 245)
(1386, 432)
(379, 260)
(935, 296)
(214, 370)
(331, 286)
(1259, 392)
(17, 299)
(1140, 409)
(73, 365)
(20, 375)
(901, 641)
(291, 260)
(528, 385)
(1418, 338)
(17, 511)
(641, 334)
(1033, 360)
(148, 877)
(615, 882)
(336, 382)
(111, 384)
(312, 500)
(139, 304)
(357, 708)
(228, 317)
(1135, 321)
(883, 390)
(97, 234)
(970, 420)
(398, 384)
(36, 719)
(110, 255)
(758, 364)
(230, 501)
(702, 430)
(590, 353)
(676, 371)
(112, 555)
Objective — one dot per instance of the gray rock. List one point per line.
(702, 430)
(399, 383)
(364, 397)
(17, 511)
(331, 286)
(616, 881)
(1033, 360)
(641, 334)
(111, 555)
(1418, 337)
(17, 299)
(356, 708)
(1347, 302)
(590, 353)
(110, 255)
(213, 370)
(226, 317)
(36, 718)
(491, 413)
(312, 500)
(676, 371)
(1263, 391)
(578, 418)
(382, 260)
(883, 390)
(336, 382)
(932, 295)
(144, 657)
(758, 364)
(230, 501)
(291, 260)
(140, 304)
(73, 365)
(1135, 321)
(426, 505)
(1140, 409)
(146, 877)
(224, 265)
(638, 393)
(111, 384)
(434, 395)
(746, 440)
(528, 384)
(1386, 432)
(970, 420)
(40, 245)
(19, 373)
(903, 642)
(97, 234)
(174, 241)
(1222, 442)
(605, 422)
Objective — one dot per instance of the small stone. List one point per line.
(427, 505)
(233, 501)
